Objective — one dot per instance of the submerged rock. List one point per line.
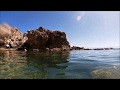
(106, 73)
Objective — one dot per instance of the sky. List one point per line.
(89, 29)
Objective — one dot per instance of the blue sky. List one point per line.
(88, 29)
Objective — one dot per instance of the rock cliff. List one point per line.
(46, 40)
(35, 40)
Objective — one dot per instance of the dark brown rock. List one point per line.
(57, 39)
(46, 40)
(36, 39)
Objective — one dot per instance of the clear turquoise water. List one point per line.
(76, 64)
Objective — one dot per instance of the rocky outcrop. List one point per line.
(46, 40)
(77, 48)
(36, 40)
(57, 41)
(10, 36)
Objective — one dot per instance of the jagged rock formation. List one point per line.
(10, 36)
(46, 40)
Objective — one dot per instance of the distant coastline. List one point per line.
(83, 48)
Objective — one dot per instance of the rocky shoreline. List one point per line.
(39, 39)
(82, 48)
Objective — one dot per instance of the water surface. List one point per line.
(75, 64)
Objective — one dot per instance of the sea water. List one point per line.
(75, 64)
